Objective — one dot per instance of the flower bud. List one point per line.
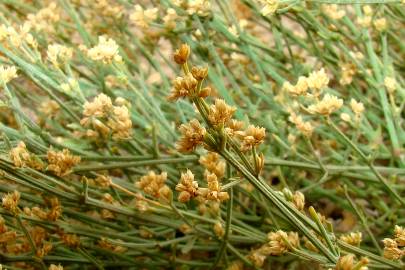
(181, 55)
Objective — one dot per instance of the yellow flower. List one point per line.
(318, 80)
(7, 74)
(62, 162)
(390, 83)
(326, 106)
(10, 202)
(192, 136)
(252, 137)
(153, 184)
(220, 113)
(106, 51)
(357, 107)
(353, 238)
(305, 128)
(333, 11)
(187, 187)
(143, 17)
(391, 250)
(270, 6)
(59, 54)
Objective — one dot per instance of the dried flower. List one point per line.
(326, 106)
(117, 118)
(46, 18)
(252, 137)
(103, 243)
(152, 183)
(181, 55)
(49, 108)
(353, 238)
(233, 127)
(71, 240)
(6, 237)
(219, 229)
(345, 262)
(364, 21)
(305, 128)
(213, 164)
(10, 202)
(277, 242)
(182, 87)
(318, 80)
(192, 136)
(55, 267)
(298, 200)
(106, 51)
(56, 209)
(213, 191)
(187, 187)
(257, 258)
(120, 123)
(143, 17)
(380, 24)
(44, 250)
(399, 234)
(345, 117)
(391, 84)
(199, 73)
(270, 6)
(170, 18)
(7, 74)
(357, 107)
(220, 113)
(62, 162)
(58, 54)
(333, 11)
(199, 7)
(348, 70)
(391, 250)
(299, 89)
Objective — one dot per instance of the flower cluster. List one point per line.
(105, 51)
(316, 81)
(187, 187)
(59, 54)
(62, 162)
(306, 128)
(104, 119)
(154, 185)
(143, 17)
(347, 262)
(394, 248)
(326, 106)
(213, 191)
(192, 136)
(220, 113)
(278, 243)
(21, 157)
(353, 238)
(269, 6)
(213, 164)
(10, 202)
(253, 136)
(7, 74)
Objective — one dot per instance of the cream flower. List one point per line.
(7, 74)
(326, 106)
(106, 51)
(143, 17)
